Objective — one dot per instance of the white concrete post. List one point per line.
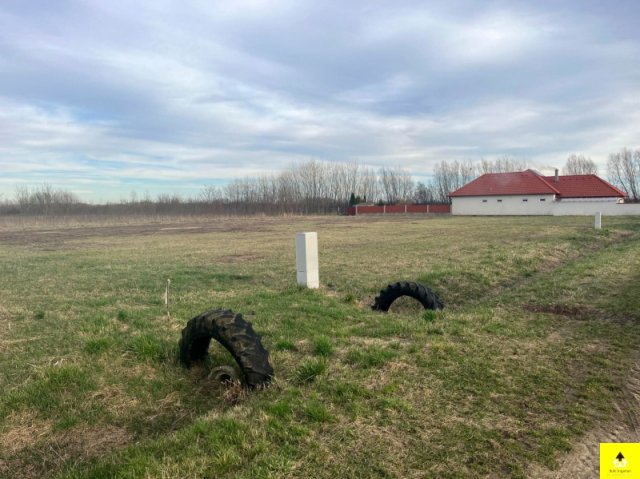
(599, 220)
(307, 260)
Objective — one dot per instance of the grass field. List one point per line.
(540, 330)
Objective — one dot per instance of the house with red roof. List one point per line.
(531, 193)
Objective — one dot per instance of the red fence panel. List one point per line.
(370, 210)
(439, 208)
(397, 209)
(417, 208)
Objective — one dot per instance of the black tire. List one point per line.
(236, 335)
(418, 291)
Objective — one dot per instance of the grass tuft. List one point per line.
(350, 298)
(97, 346)
(430, 315)
(315, 411)
(149, 348)
(370, 357)
(285, 345)
(309, 370)
(322, 347)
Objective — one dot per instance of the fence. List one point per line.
(397, 209)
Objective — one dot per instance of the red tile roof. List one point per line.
(532, 183)
(519, 183)
(584, 186)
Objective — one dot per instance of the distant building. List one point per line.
(530, 193)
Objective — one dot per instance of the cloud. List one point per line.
(160, 95)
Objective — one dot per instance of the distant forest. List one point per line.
(313, 187)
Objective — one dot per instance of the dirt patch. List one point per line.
(583, 461)
(22, 430)
(115, 400)
(69, 238)
(388, 374)
(91, 442)
(56, 233)
(384, 342)
(33, 457)
(575, 312)
(239, 258)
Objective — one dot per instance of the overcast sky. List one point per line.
(102, 97)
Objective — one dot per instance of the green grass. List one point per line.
(309, 369)
(323, 347)
(540, 328)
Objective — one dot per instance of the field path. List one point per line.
(583, 462)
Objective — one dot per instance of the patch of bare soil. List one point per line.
(24, 430)
(68, 238)
(576, 312)
(31, 458)
(583, 462)
(60, 233)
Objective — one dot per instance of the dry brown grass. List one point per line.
(22, 430)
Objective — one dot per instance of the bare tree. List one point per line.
(448, 177)
(22, 198)
(210, 194)
(423, 193)
(623, 169)
(369, 184)
(311, 177)
(396, 184)
(388, 184)
(309, 187)
(505, 164)
(579, 165)
(288, 192)
(44, 200)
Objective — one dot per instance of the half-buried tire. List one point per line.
(421, 293)
(236, 335)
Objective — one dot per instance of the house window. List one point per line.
(499, 201)
(484, 201)
(543, 199)
(525, 199)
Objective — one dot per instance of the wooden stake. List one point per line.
(166, 296)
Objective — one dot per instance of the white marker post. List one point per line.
(307, 260)
(166, 295)
(598, 220)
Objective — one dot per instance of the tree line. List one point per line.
(315, 187)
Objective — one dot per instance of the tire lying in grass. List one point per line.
(236, 335)
(223, 374)
(424, 295)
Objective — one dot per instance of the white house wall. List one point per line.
(514, 205)
(502, 205)
(562, 208)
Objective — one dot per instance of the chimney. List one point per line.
(555, 179)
